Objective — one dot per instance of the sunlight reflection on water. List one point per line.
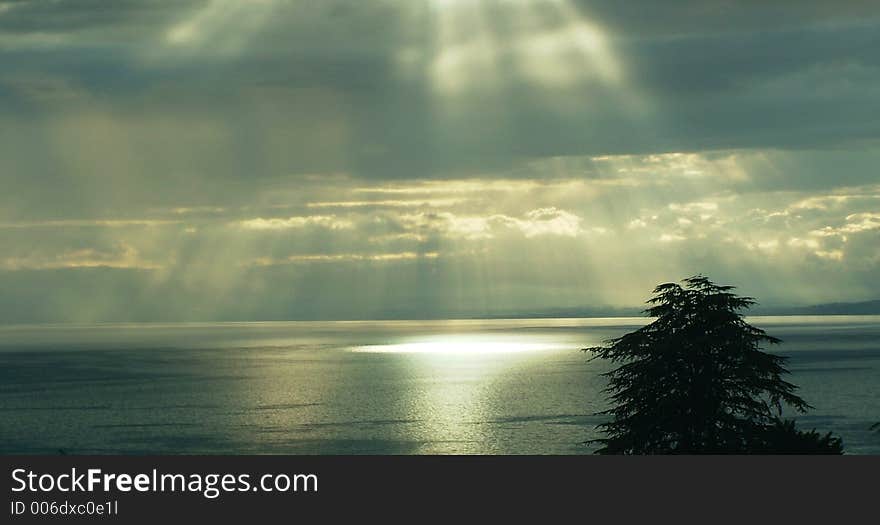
(401, 387)
(463, 345)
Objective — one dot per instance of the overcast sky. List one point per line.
(271, 159)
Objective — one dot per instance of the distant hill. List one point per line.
(859, 308)
(565, 313)
(854, 308)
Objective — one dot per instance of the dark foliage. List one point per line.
(697, 381)
(783, 438)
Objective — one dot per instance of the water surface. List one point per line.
(401, 387)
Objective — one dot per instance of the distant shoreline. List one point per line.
(629, 318)
(864, 308)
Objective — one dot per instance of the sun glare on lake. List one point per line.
(457, 346)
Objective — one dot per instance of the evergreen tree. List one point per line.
(783, 438)
(696, 380)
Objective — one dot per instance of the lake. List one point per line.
(378, 387)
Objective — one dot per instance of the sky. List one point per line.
(194, 160)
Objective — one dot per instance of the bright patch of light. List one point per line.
(551, 44)
(466, 57)
(457, 346)
(444, 4)
(222, 27)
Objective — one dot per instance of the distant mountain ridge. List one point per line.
(573, 312)
(841, 308)
(856, 308)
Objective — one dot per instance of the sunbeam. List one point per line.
(547, 42)
(436, 157)
(587, 40)
(465, 59)
(221, 28)
(388, 226)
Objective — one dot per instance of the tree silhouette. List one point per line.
(783, 438)
(696, 380)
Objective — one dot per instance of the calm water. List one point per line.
(439, 387)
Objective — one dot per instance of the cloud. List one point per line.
(671, 237)
(825, 202)
(549, 221)
(695, 207)
(357, 157)
(122, 257)
(87, 223)
(324, 221)
(539, 222)
(855, 223)
(686, 89)
(344, 257)
(400, 203)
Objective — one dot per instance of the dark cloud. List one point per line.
(714, 75)
(76, 16)
(674, 18)
(493, 154)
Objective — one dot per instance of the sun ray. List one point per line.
(548, 41)
(465, 58)
(222, 28)
(588, 41)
